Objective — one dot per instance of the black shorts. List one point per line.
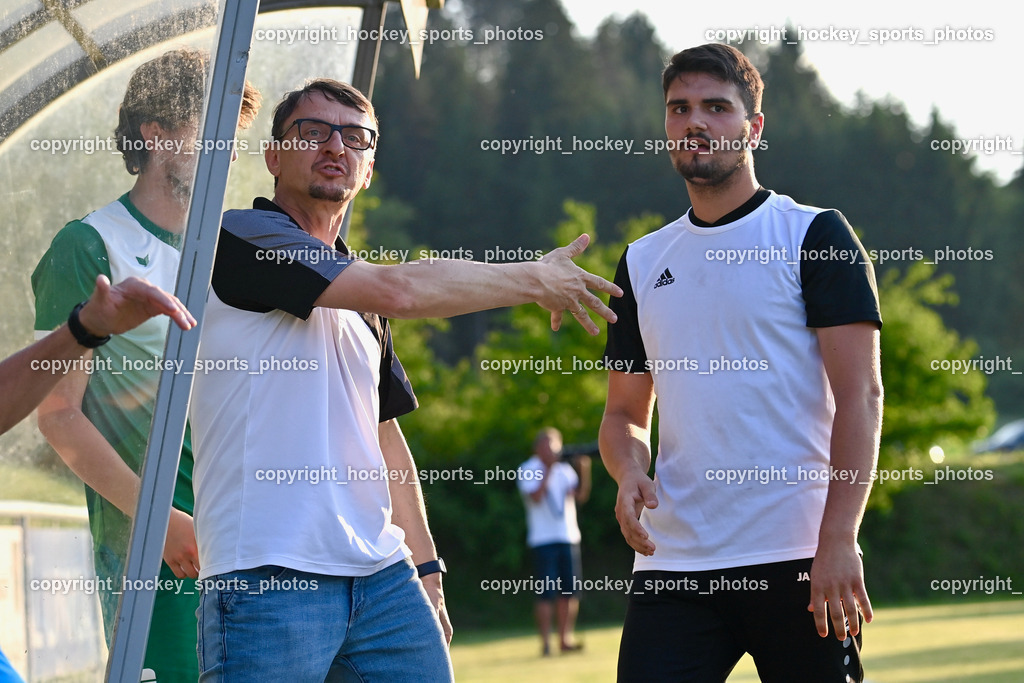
(559, 565)
(694, 627)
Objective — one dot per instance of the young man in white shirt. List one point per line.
(766, 375)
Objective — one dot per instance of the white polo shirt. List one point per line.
(285, 408)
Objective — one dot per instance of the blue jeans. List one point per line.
(277, 624)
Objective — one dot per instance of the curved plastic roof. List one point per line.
(47, 47)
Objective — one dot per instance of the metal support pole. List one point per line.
(368, 52)
(365, 70)
(145, 553)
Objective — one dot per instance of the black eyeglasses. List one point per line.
(318, 132)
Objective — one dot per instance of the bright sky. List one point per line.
(975, 84)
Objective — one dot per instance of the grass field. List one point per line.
(981, 642)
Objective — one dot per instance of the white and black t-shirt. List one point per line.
(723, 316)
(285, 408)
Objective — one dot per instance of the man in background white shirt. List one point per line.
(551, 487)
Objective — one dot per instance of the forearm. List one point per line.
(537, 495)
(408, 511)
(80, 445)
(625, 446)
(432, 289)
(24, 384)
(625, 443)
(410, 514)
(442, 289)
(582, 465)
(854, 450)
(582, 494)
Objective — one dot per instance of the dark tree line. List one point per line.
(442, 190)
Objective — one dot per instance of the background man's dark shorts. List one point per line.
(559, 564)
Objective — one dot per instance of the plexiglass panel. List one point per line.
(73, 210)
(63, 80)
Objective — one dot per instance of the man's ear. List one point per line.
(369, 175)
(151, 130)
(272, 157)
(756, 129)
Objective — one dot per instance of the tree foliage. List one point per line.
(869, 159)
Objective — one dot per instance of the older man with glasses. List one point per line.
(313, 541)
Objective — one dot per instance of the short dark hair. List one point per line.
(725, 63)
(169, 90)
(336, 91)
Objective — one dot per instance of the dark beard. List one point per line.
(708, 171)
(331, 194)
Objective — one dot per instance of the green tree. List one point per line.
(924, 403)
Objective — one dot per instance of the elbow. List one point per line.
(865, 404)
(46, 422)
(404, 307)
(54, 423)
(396, 295)
(875, 396)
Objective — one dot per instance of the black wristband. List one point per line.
(82, 335)
(432, 567)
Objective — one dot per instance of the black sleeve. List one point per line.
(836, 274)
(624, 340)
(395, 390)
(265, 262)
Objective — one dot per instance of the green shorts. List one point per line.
(171, 648)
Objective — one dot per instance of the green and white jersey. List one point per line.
(119, 242)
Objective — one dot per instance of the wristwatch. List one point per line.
(82, 335)
(432, 567)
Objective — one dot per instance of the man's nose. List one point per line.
(333, 144)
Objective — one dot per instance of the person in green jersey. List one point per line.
(30, 374)
(98, 417)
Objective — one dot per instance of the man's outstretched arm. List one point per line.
(25, 377)
(444, 288)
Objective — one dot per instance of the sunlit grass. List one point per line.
(962, 643)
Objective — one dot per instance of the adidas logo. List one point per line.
(664, 279)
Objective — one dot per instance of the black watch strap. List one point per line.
(432, 567)
(82, 335)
